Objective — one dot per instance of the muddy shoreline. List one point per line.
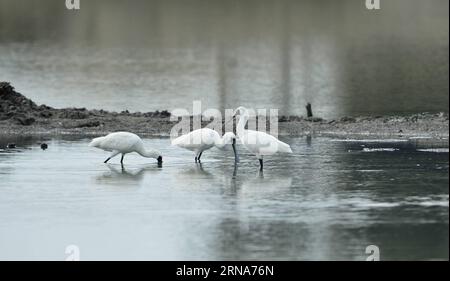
(20, 115)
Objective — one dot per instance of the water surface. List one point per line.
(329, 200)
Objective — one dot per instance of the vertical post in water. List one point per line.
(309, 110)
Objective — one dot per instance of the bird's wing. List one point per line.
(284, 147)
(188, 141)
(196, 138)
(120, 142)
(263, 143)
(181, 140)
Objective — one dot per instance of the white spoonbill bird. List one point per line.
(256, 142)
(204, 139)
(124, 142)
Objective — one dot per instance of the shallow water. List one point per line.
(155, 55)
(329, 200)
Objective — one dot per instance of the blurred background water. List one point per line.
(329, 200)
(152, 55)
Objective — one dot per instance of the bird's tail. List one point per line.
(180, 140)
(176, 141)
(284, 147)
(95, 142)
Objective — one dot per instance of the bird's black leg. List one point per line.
(121, 159)
(195, 159)
(200, 155)
(106, 161)
(260, 164)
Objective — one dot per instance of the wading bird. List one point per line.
(204, 139)
(256, 142)
(124, 142)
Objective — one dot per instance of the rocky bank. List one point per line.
(20, 115)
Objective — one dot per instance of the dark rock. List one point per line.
(44, 107)
(11, 145)
(158, 114)
(283, 119)
(9, 97)
(314, 119)
(46, 114)
(8, 115)
(25, 121)
(348, 119)
(73, 114)
(15, 106)
(44, 146)
(295, 118)
(165, 113)
(89, 124)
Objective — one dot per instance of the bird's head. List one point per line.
(240, 110)
(153, 153)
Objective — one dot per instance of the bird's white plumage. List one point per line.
(197, 140)
(203, 139)
(256, 142)
(260, 143)
(123, 142)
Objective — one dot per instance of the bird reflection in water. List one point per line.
(198, 171)
(123, 176)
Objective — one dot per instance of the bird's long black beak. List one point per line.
(236, 156)
(159, 161)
